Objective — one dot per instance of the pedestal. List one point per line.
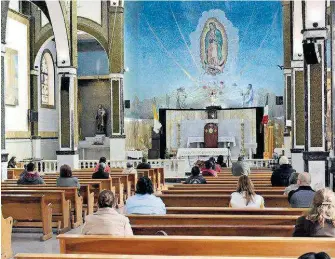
(317, 164)
(287, 145)
(36, 146)
(4, 163)
(297, 160)
(70, 158)
(117, 148)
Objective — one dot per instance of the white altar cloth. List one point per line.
(134, 154)
(197, 152)
(197, 140)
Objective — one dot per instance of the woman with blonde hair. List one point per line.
(245, 196)
(319, 221)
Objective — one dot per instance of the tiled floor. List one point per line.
(30, 243)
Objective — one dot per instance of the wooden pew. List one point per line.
(219, 192)
(60, 206)
(216, 230)
(6, 237)
(191, 246)
(216, 186)
(29, 211)
(231, 211)
(208, 200)
(225, 185)
(14, 173)
(179, 219)
(95, 256)
(71, 194)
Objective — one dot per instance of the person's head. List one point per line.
(220, 159)
(240, 158)
(65, 171)
(101, 167)
(129, 165)
(199, 164)
(144, 160)
(304, 179)
(212, 159)
(208, 164)
(195, 171)
(102, 160)
(106, 199)
(30, 167)
(321, 255)
(323, 207)
(283, 160)
(144, 186)
(293, 178)
(245, 185)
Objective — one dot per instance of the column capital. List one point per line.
(67, 71)
(319, 33)
(116, 76)
(34, 72)
(297, 64)
(287, 71)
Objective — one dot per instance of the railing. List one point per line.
(46, 166)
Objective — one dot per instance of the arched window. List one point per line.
(47, 77)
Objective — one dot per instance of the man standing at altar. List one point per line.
(240, 167)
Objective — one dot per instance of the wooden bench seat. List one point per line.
(60, 205)
(29, 210)
(71, 194)
(179, 219)
(216, 187)
(216, 230)
(101, 256)
(219, 192)
(192, 245)
(231, 211)
(6, 237)
(208, 200)
(223, 185)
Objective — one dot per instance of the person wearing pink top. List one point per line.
(208, 171)
(102, 160)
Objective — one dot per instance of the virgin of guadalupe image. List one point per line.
(213, 46)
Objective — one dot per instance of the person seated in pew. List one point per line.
(30, 176)
(65, 178)
(303, 196)
(208, 171)
(221, 162)
(144, 202)
(281, 174)
(215, 166)
(102, 160)
(240, 167)
(107, 221)
(12, 162)
(195, 178)
(245, 196)
(200, 164)
(321, 255)
(130, 169)
(293, 183)
(144, 164)
(319, 221)
(101, 173)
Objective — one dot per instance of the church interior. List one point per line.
(134, 129)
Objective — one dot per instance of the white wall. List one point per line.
(21, 148)
(90, 9)
(49, 148)
(17, 38)
(14, 4)
(47, 118)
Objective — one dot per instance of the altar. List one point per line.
(201, 152)
(225, 141)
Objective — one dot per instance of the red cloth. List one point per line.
(208, 172)
(218, 168)
(107, 169)
(211, 136)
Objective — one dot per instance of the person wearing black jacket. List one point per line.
(101, 174)
(195, 178)
(281, 174)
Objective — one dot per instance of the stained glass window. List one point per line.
(47, 81)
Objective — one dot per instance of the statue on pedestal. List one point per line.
(101, 120)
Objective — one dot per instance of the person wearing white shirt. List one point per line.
(245, 196)
(144, 202)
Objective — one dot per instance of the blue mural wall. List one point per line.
(186, 54)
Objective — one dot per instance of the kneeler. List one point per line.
(211, 135)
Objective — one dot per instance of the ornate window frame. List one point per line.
(50, 79)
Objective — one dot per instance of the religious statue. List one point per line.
(101, 120)
(214, 47)
(248, 97)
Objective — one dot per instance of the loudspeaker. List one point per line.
(279, 100)
(127, 104)
(311, 53)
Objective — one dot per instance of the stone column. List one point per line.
(332, 46)
(297, 88)
(4, 154)
(68, 147)
(36, 139)
(116, 66)
(315, 84)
